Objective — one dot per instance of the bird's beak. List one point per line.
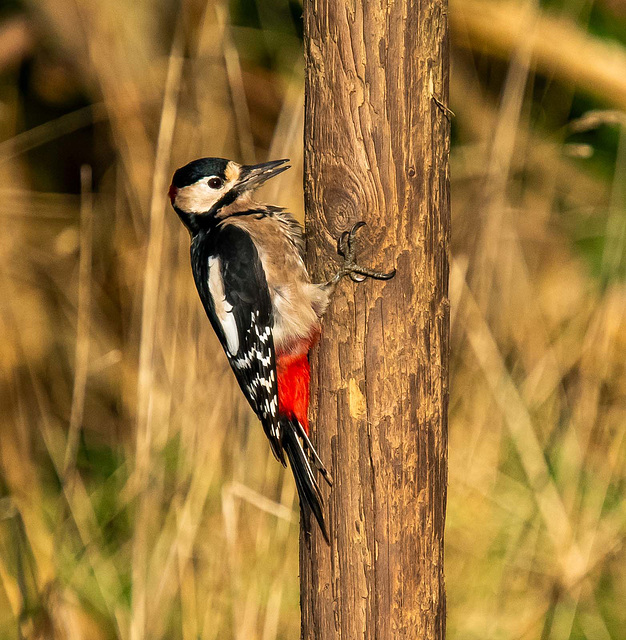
(253, 176)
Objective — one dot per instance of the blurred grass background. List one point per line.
(138, 498)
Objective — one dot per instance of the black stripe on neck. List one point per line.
(224, 201)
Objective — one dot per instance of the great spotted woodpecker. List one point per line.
(247, 262)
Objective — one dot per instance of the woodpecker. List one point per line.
(248, 266)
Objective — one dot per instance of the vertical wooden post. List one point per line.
(376, 149)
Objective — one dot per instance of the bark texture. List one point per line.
(376, 149)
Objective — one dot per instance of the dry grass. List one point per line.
(138, 498)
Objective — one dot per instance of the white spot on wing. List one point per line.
(223, 309)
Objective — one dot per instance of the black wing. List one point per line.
(234, 291)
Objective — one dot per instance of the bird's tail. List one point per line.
(294, 441)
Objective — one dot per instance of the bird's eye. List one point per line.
(215, 183)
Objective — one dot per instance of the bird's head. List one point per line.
(216, 187)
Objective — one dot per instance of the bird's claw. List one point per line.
(342, 243)
(346, 249)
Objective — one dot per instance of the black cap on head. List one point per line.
(198, 169)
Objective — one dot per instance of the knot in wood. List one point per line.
(342, 207)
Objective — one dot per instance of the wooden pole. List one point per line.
(376, 149)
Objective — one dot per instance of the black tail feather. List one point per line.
(319, 465)
(311, 500)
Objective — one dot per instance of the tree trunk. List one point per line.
(376, 149)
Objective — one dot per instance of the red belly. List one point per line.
(293, 375)
(293, 387)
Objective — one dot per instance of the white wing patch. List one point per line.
(223, 309)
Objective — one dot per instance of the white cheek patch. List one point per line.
(198, 197)
(223, 309)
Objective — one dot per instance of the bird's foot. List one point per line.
(346, 249)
